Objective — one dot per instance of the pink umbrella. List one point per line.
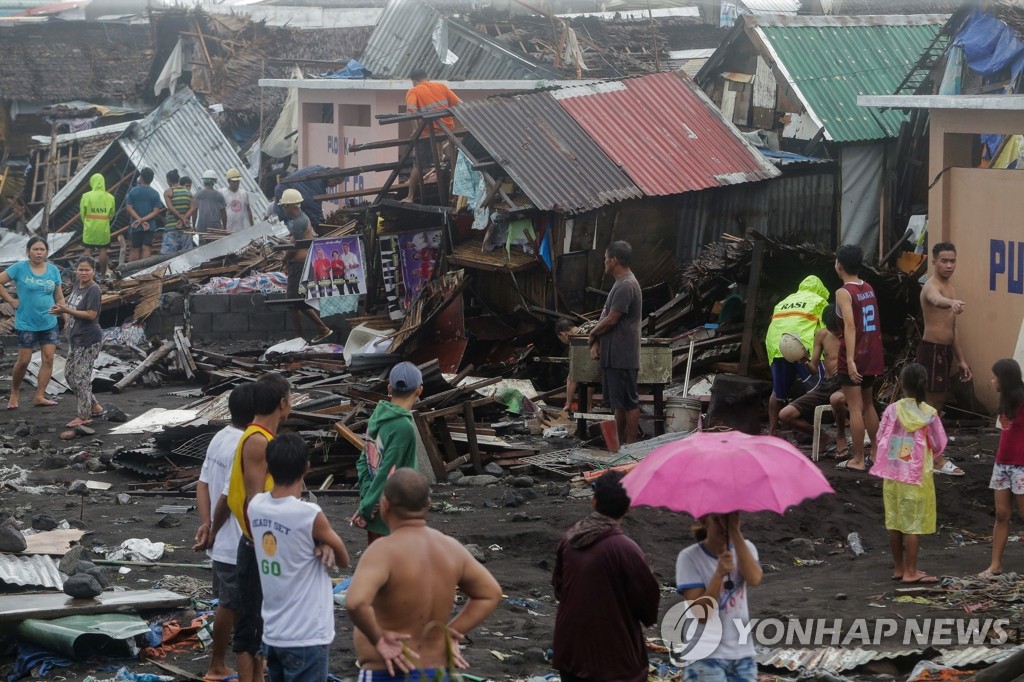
(722, 472)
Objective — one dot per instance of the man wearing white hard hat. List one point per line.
(299, 228)
(211, 209)
(239, 207)
(789, 340)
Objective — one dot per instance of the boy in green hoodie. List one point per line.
(390, 445)
(97, 210)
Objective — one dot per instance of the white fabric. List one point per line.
(298, 609)
(237, 202)
(281, 141)
(171, 72)
(216, 473)
(695, 567)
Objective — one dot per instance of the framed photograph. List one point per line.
(419, 252)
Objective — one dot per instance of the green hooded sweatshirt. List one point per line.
(97, 210)
(391, 445)
(798, 314)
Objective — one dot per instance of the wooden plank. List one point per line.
(430, 445)
(474, 446)
(756, 261)
(349, 435)
(446, 440)
(53, 542)
(16, 607)
(174, 670)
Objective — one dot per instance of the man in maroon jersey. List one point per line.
(861, 359)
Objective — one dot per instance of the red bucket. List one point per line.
(610, 431)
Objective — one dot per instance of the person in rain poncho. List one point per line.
(910, 437)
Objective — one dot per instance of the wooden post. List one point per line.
(153, 358)
(1005, 670)
(430, 445)
(474, 447)
(48, 180)
(756, 260)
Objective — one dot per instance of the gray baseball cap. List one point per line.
(405, 377)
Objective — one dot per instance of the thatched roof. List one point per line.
(59, 61)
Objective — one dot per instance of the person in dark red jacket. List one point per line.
(606, 594)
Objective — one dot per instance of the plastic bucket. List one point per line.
(682, 414)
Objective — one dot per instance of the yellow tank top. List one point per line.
(236, 485)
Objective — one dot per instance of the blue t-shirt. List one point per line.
(143, 199)
(35, 296)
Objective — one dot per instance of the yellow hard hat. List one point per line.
(290, 197)
(233, 174)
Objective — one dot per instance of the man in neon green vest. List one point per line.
(798, 314)
(97, 210)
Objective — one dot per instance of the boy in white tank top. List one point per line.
(298, 610)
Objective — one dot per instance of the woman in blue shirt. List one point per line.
(38, 286)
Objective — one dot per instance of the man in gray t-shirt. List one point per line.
(211, 207)
(616, 341)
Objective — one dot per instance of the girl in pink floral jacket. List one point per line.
(910, 436)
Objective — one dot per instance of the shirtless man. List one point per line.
(403, 590)
(940, 343)
(799, 413)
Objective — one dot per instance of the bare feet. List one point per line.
(45, 402)
(220, 674)
(990, 574)
(77, 421)
(12, 404)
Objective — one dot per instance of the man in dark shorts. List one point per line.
(299, 228)
(940, 343)
(423, 97)
(143, 204)
(616, 341)
(799, 414)
(861, 357)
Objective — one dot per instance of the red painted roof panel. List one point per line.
(664, 133)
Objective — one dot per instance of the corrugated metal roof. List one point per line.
(664, 133)
(37, 569)
(546, 153)
(829, 61)
(404, 40)
(771, 6)
(178, 134)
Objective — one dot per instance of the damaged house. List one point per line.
(797, 78)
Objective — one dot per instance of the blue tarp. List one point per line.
(352, 70)
(990, 45)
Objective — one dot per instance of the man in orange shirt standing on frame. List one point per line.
(423, 97)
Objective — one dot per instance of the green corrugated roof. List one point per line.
(831, 64)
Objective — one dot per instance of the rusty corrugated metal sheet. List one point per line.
(665, 133)
(404, 40)
(36, 569)
(546, 153)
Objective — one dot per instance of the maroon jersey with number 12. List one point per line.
(868, 353)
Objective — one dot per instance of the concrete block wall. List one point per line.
(244, 317)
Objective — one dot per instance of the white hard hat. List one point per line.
(792, 348)
(210, 175)
(233, 174)
(290, 197)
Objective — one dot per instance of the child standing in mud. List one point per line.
(1008, 473)
(910, 437)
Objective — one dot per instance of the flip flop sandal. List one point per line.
(845, 466)
(950, 469)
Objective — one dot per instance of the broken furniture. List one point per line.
(655, 374)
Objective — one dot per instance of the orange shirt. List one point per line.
(430, 96)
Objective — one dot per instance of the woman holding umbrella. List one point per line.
(713, 477)
(721, 566)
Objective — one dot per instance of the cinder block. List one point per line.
(246, 303)
(211, 303)
(230, 323)
(202, 323)
(268, 322)
(172, 303)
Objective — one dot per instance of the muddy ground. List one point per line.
(523, 540)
